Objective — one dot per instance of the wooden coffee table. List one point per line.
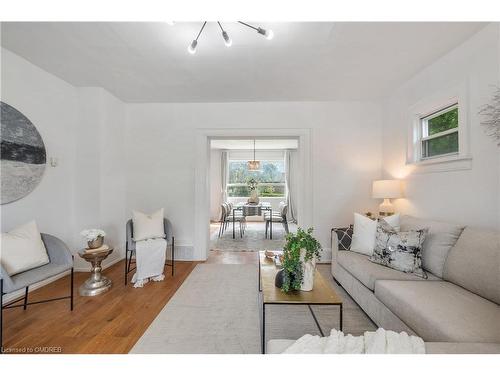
(322, 294)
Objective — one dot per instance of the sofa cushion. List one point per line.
(441, 311)
(474, 263)
(462, 348)
(438, 242)
(367, 272)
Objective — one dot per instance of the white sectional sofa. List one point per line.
(455, 310)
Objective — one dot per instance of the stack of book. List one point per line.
(97, 250)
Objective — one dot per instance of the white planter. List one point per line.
(254, 197)
(308, 269)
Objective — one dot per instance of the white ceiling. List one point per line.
(149, 62)
(260, 144)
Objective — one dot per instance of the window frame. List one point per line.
(428, 106)
(260, 184)
(424, 131)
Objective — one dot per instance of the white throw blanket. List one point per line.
(379, 342)
(150, 261)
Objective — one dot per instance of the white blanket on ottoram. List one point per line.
(150, 261)
(379, 342)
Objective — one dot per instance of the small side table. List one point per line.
(97, 283)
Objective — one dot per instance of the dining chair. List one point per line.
(222, 220)
(277, 219)
(238, 217)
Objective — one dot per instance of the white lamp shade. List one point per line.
(387, 189)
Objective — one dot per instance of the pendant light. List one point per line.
(253, 165)
(268, 34)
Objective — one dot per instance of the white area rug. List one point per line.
(214, 311)
(253, 240)
(217, 310)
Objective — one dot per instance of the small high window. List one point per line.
(439, 133)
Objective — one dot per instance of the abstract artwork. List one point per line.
(22, 154)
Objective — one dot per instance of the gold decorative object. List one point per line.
(253, 165)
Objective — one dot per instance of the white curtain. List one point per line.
(289, 192)
(223, 175)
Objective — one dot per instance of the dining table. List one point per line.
(252, 209)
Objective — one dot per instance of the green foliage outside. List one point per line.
(270, 172)
(443, 122)
(292, 266)
(445, 144)
(263, 191)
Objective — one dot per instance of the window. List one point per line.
(271, 178)
(439, 132)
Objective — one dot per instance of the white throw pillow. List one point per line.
(394, 221)
(22, 249)
(148, 226)
(365, 231)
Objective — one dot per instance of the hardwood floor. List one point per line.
(110, 323)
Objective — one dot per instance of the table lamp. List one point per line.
(386, 190)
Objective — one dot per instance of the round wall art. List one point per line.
(22, 155)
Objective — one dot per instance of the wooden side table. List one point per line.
(97, 283)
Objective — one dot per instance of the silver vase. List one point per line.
(94, 244)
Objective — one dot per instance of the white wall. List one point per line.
(467, 196)
(51, 105)
(215, 185)
(83, 128)
(346, 156)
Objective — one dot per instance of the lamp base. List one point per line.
(386, 208)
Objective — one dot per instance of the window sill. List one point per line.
(443, 164)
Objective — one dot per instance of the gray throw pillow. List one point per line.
(344, 236)
(401, 251)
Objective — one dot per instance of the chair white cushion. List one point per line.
(23, 249)
(365, 230)
(148, 226)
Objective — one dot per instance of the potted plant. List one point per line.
(94, 237)
(300, 253)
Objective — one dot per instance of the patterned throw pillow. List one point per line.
(399, 250)
(344, 236)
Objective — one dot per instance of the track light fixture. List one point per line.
(227, 41)
(194, 43)
(268, 34)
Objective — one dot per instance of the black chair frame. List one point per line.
(25, 304)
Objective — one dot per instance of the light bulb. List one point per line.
(192, 47)
(227, 41)
(267, 33)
